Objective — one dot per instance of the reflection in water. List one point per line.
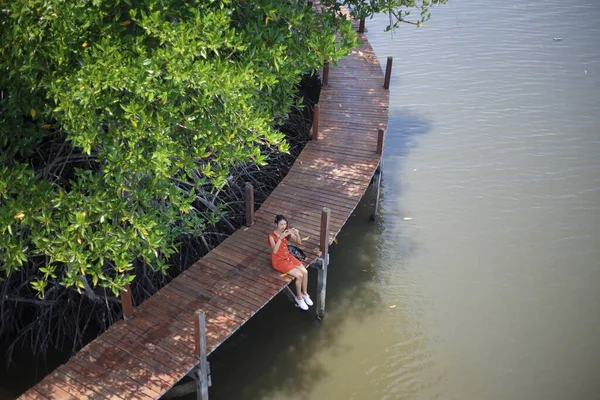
(488, 242)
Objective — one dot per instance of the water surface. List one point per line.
(480, 278)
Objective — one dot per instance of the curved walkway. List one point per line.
(143, 357)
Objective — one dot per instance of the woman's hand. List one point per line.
(296, 234)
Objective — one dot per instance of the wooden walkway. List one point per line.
(143, 357)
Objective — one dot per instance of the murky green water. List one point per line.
(488, 242)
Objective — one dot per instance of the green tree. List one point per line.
(116, 113)
(399, 11)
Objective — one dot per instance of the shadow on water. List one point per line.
(404, 129)
(275, 352)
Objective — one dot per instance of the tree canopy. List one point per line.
(115, 114)
(399, 11)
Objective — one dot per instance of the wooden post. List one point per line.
(380, 137)
(201, 370)
(322, 274)
(361, 26)
(388, 73)
(326, 73)
(376, 190)
(315, 127)
(126, 302)
(249, 204)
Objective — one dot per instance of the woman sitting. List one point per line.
(284, 262)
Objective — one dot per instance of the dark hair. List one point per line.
(279, 218)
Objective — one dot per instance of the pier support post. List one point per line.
(290, 295)
(388, 73)
(126, 302)
(315, 127)
(380, 140)
(249, 204)
(201, 370)
(326, 73)
(361, 26)
(322, 274)
(376, 191)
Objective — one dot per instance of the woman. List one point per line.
(284, 262)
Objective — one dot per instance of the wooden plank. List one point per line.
(307, 222)
(218, 308)
(134, 367)
(130, 332)
(243, 309)
(218, 318)
(124, 388)
(76, 390)
(74, 371)
(315, 200)
(50, 389)
(184, 322)
(223, 301)
(70, 377)
(235, 270)
(31, 394)
(163, 362)
(220, 295)
(158, 334)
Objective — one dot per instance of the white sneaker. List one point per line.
(307, 300)
(301, 304)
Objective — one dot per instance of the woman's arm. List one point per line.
(296, 235)
(275, 245)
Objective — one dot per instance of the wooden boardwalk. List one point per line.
(143, 357)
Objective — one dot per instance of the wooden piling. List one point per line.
(315, 127)
(249, 204)
(201, 370)
(376, 191)
(380, 139)
(388, 73)
(126, 302)
(361, 26)
(326, 73)
(322, 274)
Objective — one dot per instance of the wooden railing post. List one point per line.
(201, 370)
(126, 302)
(249, 204)
(361, 26)
(388, 73)
(326, 73)
(322, 274)
(380, 138)
(315, 127)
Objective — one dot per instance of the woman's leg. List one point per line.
(296, 273)
(304, 279)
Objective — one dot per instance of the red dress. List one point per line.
(283, 261)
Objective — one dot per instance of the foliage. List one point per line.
(398, 10)
(116, 116)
